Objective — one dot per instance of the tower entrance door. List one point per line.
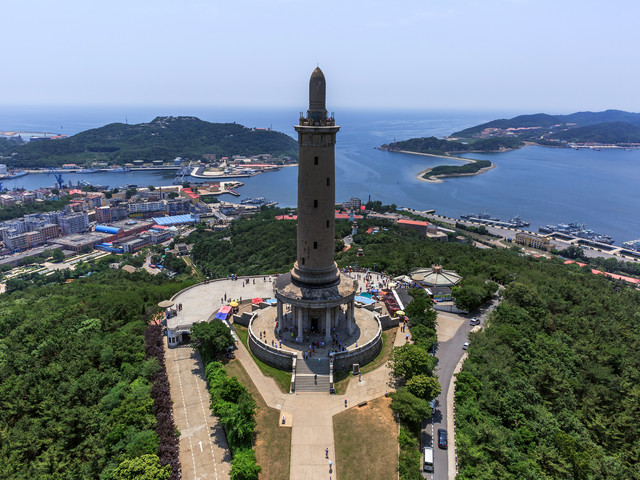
(314, 324)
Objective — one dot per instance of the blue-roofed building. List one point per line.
(176, 220)
(107, 229)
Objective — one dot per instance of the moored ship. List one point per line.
(579, 230)
(515, 222)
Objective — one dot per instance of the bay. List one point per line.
(542, 185)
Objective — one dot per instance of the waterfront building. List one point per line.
(313, 291)
(533, 241)
(141, 208)
(418, 226)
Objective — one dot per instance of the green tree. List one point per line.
(211, 338)
(58, 256)
(410, 408)
(424, 386)
(145, 467)
(244, 466)
(409, 360)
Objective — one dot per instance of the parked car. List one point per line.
(475, 321)
(442, 438)
(465, 345)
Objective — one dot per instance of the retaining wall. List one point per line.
(362, 355)
(275, 357)
(387, 322)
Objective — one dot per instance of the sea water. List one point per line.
(542, 185)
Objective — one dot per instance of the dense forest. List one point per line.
(550, 389)
(164, 138)
(76, 388)
(467, 168)
(438, 146)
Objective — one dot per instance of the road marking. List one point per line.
(184, 403)
(200, 442)
(204, 414)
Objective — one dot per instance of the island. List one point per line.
(158, 142)
(596, 130)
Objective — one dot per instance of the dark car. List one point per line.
(442, 438)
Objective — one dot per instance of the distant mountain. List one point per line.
(601, 133)
(164, 138)
(543, 128)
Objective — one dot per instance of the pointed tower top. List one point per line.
(317, 95)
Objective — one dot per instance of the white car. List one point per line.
(465, 346)
(475, 321)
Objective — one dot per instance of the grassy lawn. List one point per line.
(357, 456)
(273, 443)
(341, 379)
(282, 378)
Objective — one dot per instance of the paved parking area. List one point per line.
(204, 453)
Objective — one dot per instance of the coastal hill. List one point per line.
(164, 138)
(610, 127)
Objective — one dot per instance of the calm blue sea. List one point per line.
(542, 185)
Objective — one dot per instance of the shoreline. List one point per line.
(439, 178)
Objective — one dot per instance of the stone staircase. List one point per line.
(305, 371)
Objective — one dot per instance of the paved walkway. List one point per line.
(310, 415)
(204, 453)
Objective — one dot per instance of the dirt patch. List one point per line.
(272, 444)
(366, 442)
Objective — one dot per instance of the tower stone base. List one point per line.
(315, 310)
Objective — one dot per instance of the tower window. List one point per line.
(302, 260)
(315, 245)
(315, 204)
(328, 182)
(328, 223)
(315, 160)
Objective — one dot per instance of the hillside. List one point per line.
(164, 138)
(438, 146)
(610, 126)
(601, 133)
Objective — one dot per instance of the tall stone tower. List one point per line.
(314, 266)
(314, 289)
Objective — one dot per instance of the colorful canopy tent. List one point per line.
(166, 304)
(363, 300)
(256, 301)
(233, 304)
(400, 313)
(223, 313)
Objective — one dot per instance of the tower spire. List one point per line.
(317, 95)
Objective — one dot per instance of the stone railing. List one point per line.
(276, 357)
(294, 363)
(331, 387)
(361, 355)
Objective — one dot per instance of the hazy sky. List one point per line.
(557, 56)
